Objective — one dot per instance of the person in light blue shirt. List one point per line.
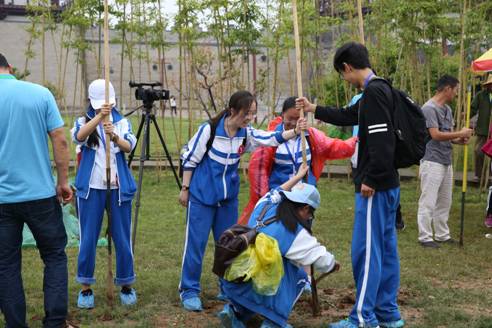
(28, 195)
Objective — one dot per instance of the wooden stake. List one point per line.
(109, 281)
(299, 74)
(361, 22)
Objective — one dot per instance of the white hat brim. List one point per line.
(97, 104)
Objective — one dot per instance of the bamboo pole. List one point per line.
(43, 48)
(361, 22)
(299, 74)
(462, 63)
(109, 280)
(122, 55)
(276, 57)
(465, 168)
(180, 37)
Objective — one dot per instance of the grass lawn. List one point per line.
(448, 287)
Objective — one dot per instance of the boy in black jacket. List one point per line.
(375, 260)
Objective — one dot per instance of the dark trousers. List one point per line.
(479, 156)
(44, 218)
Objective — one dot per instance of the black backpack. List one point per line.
(213, 129)
(410, 128)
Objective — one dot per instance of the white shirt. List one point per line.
(98, 176)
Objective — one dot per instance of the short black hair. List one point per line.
(446, 81)
(289, 103)
(352, 53)
(3, 61)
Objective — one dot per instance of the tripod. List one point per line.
(147, 117)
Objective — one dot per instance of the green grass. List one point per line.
(448, 287)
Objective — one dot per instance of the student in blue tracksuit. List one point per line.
(89, 132)
(293, 204)
(211, 182)
(375, 261)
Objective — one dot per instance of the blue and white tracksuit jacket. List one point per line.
(298, 249)
(288, 159)
(214, 189)
(91, 200)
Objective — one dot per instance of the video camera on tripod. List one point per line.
(149, 95)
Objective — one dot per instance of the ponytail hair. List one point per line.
(240, 101)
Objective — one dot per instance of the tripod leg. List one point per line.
(163, 143)
(143, 157)
(139, 131)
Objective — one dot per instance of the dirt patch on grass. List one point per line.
(467, 283)
(182, 318)
(335, 304)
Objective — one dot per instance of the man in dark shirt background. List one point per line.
(375, 260)
(482, 106)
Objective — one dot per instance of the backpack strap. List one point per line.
(269, 220)
(213, 128)
(388, 115)
(259, 220)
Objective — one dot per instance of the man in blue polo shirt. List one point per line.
(28, 115)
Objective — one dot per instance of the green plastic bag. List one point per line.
(71, 227)
(261, 263)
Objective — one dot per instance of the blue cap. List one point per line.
(305, 194)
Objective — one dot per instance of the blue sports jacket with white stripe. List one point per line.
(215, 177)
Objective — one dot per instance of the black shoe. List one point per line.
(400, 224)
(86, 292)
(429, 244)
(449, 241)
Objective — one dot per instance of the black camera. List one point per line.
(149, 95)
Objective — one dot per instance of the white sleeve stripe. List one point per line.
(378, 130)
(375, 126)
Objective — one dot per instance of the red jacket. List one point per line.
(323, 148)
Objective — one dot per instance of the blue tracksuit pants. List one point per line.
(375, 261)
(200, 220)
(91, 213)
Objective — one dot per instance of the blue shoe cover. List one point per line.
(342, 324)
(192, 304)
(85, 301)
(393, 324)
(228, 318)
(128, 299)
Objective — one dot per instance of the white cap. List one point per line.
(97, 95)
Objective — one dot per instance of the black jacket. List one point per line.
(375, 158)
